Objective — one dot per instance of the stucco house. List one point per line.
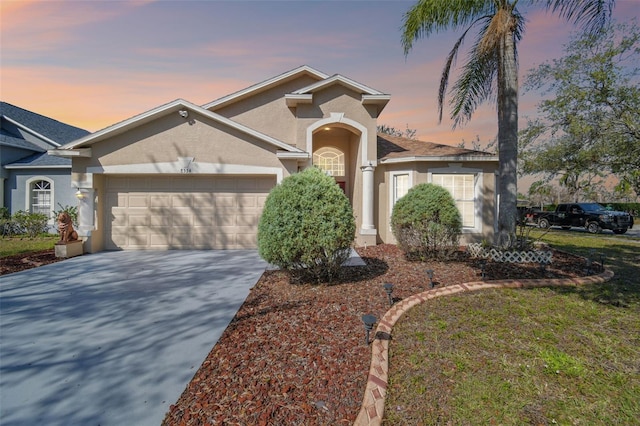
(30, 179)
(188, 176)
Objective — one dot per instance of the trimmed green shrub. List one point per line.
(307, 226)
(31, 224)
(426, 223)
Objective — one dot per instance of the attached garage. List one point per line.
(184, 212)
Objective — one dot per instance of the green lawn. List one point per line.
(567, 355)
(17, 245)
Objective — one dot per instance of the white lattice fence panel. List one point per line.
(510, 256)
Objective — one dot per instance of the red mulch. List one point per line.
(295, 354)
(20, 262)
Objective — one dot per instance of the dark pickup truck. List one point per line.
(591, 216)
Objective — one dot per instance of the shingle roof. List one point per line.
(52, 129)
(8, 139)
(40, 160)
(394, 147)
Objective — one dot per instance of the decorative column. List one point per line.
(367, 226)
(86, 206)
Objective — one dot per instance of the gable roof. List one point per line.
(48, 130)
(369, 95)
(7, 139)
(174, 106)
(265, 85)
(394, 149)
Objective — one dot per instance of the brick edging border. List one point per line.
(372, 409)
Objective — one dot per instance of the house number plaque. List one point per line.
(185, 164)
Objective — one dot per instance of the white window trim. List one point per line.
(333, 150)
(392, 175)
(477, 191)
(27, 198)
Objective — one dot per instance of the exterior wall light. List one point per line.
(388, 287)
(369, 321)
(79, 194)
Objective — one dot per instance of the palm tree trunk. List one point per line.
(507, 140)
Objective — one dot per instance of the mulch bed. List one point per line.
(20, 262)
(295, 354)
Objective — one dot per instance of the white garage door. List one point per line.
(184, 212)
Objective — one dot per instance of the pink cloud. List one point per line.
(96, 100)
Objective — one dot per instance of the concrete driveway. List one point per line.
(113, 338)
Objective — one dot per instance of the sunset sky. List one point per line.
(95, 63)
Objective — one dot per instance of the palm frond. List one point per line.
(429, 16)
(591, 15)
(444, 79)
(477, 81)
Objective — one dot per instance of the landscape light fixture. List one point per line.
(590, 263)
(369, 321)
(602, 256)
(388, 287)
(543, 265)
(483, 265)
(430, 275)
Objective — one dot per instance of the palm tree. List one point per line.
(492, 67)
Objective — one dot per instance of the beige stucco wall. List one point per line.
(267, 111)
(171, 136)
(420, 174)
(337, 106)
(163, 141)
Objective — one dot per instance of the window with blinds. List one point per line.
(462, 189)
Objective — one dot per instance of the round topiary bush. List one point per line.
(426, 223)
(307, 226)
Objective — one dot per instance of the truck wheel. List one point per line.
(594, 228)
(619, 231)
(543, 223)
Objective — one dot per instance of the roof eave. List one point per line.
(305, 69)
(177, 105)
(71, 153)
(436, 158)
(18, 166)
(31, 131)
(380, 101)
(293, 100)
(287, 155)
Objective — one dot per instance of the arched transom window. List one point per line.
(40, 197)
(330, 160)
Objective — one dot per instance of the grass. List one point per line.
(18, 245)
(567, 355)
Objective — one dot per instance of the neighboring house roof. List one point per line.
(265, 85)
(40, 161)
(394, 149)
(7, 139)
(174, 106)
(51, 131)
